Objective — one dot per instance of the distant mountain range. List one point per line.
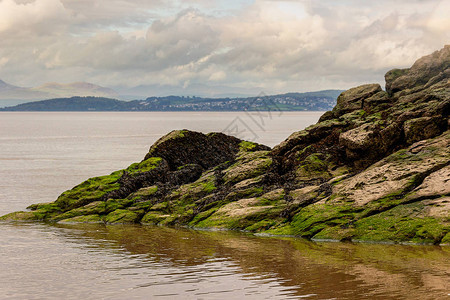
(11, 94)
(313, 101)
(197, 89)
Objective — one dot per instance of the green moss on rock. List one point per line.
(314, 218)
(93, 219)
(163, 206)
(247, 146)
(190, 192)
(114, 204)
(202, 216)
(97, 207)
(144, 193)
(446, 239)
(401, 224)
(24, 216)
(313, 167)
(275, 197)
(122, 216)
(241, 214)
(93, 189)
(47, 207)
(154, 217)
(261, 225)
(145, 205)
(244, 193)
(247, 168)
(144, 166)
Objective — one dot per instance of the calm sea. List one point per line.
(43, 154)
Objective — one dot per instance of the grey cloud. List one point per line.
(177, 41)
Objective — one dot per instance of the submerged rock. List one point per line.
(376, 168)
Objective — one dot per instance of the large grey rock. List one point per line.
(398, 172)
(433, 67)
(359, 138)
(182, 147)
(423, 128)
(353, 99)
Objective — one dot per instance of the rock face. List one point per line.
(424, 72)
(354, 98)
(196, 148)
(375, 168)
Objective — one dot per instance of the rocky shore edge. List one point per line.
(375, 168)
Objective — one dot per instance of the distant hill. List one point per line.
(5, 86)
(76, 89)
(13, 94)
(71, 104)
(201, 90)
(321, 100)
(311, 101)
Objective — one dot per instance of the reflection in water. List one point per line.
(170, 262)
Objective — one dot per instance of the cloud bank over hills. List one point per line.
(250, 46)
(11, 94)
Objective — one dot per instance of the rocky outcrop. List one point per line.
(374, 168)
(196, 148)
(354, 98)
(424, 72)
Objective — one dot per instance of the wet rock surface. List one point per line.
(375, 168)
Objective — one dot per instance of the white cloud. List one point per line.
(218, 76)
(30, 17)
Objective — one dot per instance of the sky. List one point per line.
(250, 46)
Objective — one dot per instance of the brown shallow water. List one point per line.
(43, 154)
(117, 262)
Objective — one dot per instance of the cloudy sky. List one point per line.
(249, 45)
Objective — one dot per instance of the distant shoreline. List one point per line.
(157, 111)
(311, 101)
